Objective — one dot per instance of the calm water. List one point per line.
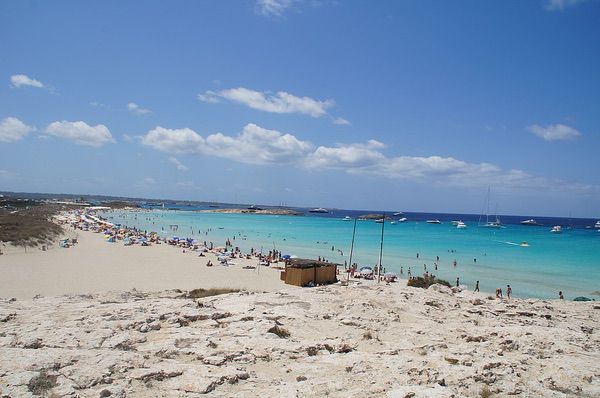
(569, 261)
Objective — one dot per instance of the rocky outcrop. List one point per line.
(390, 341)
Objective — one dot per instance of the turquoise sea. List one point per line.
(569, 261)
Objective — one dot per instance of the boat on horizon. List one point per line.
(436, 221)
(557, 229)
(398, 213)
(530, 222)
(461, 225)
(488, 223)
(318, 210)
(254, 207)
(347, 218)
(597, 225)
(403, 219)
(379, 221)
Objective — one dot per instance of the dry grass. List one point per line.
(28, 226)
(201, 293)
(42, 383)
(485, 392)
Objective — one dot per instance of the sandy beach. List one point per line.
(93, 265)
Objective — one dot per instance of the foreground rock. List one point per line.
(339, 341)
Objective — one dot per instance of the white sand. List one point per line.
(94, 265)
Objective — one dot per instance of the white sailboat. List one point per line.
(488, 223)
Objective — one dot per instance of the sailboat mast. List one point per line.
(380, 251)
(487, 213)
(351, 249)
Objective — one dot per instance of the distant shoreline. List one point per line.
(273, 212)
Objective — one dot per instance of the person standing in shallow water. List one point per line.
(476, 286)
(560, 295)
(508, 291)
(457, 282)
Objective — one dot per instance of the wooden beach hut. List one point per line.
(301, 272)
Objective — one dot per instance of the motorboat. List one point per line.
(254, 207)
(379, 221)
(461, 225)
(455, 222)
(403, 219)
(597, 225)
(399, 213)
(318, 210)
(529, 222)
(347, 218)
(436, 221)
(524, 244)
(557, 229)
(393, 222)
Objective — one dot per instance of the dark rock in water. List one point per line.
(582, 298)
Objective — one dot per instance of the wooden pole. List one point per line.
(380, 250)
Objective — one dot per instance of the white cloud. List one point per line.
(135, 108)
(180, 166)
(559, 5)
(255, 145)
(209, 96)
(81, 133)
(341, 121)
(12, 129)
(173, 140)
(273, 7)
(281, 102)
(554, 132)
(24, 80)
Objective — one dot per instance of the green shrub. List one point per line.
(426, 281)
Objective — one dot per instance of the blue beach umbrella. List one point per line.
(286, 256)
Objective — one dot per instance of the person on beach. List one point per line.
(401, 270)
(508, 291)
(499, 293)
(476, 287)
(560, 295)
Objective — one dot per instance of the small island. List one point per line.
(373, 217)
(275, 212)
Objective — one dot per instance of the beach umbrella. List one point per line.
(581, 298)
(286, 256)
(366, 271)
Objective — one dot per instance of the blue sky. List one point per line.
(404, 105)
